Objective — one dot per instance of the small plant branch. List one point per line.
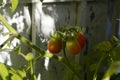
(100, 61)
(31, 67)
(3, 44)
(64, 52)
(71, 68)
(105, 54)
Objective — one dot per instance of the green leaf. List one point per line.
(1, 1)
(41, 0)
(14, 5)
(33, 77)
(18, 49)
(21, 73)
(17, 74)
(103, 46)
(114, 67)
(3, 72)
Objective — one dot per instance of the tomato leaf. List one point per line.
(1, 1)
(41, 0)
(93, 67)
(3, 72)
(103, 46)
(33, 77)
(114, 67)
(114, 54)
(14, 4)
(17, 74)
(22, 73)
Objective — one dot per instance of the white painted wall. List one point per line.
(46, 18)
(21, 21)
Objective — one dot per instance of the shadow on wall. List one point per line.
(45, 23)
(21, 21)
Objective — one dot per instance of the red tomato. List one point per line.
(81, 39)
(55, 45)
(73, 47)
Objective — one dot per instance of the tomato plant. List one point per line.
(71, 38)
(106, 54)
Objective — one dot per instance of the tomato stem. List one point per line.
(67, 62)
(64, 52)
(96, 71)
(31, 67)
(11, 37)
(70, 67)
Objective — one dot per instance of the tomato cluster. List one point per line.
(71, 39)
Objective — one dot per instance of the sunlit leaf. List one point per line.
(114, 39)
(22, 73)
(3, 72)
(33, 77)
(12, 71)
(17, 74)
(14, 5)
(93, 67)
(115, 54)
(114, 67)
(68, 75)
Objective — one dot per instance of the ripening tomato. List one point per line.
(81, 39)
(55, 45)
(73, 47)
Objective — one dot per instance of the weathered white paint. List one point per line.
(19, 20)
(3, 3)
(45, 23)
(44, 1)
(27, 18)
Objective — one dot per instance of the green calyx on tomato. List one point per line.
(55, 45)
(73, 46)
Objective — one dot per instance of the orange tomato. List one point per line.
(55, 45)
(73, 47)
(81, 39)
